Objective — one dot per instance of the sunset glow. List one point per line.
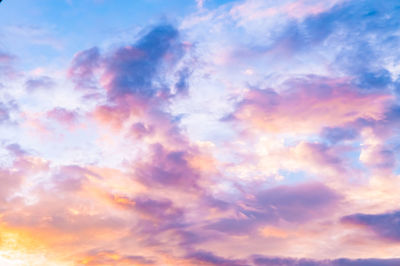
(200, 132)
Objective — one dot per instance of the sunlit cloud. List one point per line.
(203, 132)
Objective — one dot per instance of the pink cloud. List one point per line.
(308, 105)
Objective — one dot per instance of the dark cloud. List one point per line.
(157, 214)
(385, 225)
(378, 79)
(366, 262)
(182, 86)
(338, 134)
(238, 226)
(297, 203)
(158, 217)
(208, 258)
(131, 70)
(136, 71)
(279, 261)
(294, 204)
(161, 210)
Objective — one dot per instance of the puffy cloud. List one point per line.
(308, 90)
(131, 70)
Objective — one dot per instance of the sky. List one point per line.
(208, 132)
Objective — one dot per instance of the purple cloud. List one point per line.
(83, 67)
(131, 70)
(42, 82)
(208, 258)
(279, 261)
(63, 116)
(169, 168)
(338, 134)
(71, 178)
(4, 113)
(294, 204)
(385, 225)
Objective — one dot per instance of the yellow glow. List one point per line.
(19, 248)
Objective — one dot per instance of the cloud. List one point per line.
(63, 116)
(10, 183)
(7, 65)
(297, 203)
(308, 92)
(83, 67)
(308, 104)
(42, 82)
(132, 70)
(182, 86)
(385, 225)
(168, 168)
(208, 258)
(338, 134)
(271, 261)
(5, 58)
(155, 210)
(375, 153)
(107, 257)
(71, 178)
(291, 204)
(4, 113)
(15, 172)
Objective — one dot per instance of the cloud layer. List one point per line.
(238, 133)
